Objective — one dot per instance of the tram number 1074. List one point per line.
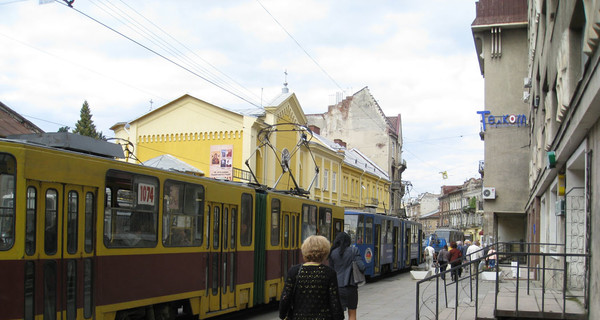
(146, 194)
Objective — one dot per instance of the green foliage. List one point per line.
(473, 203)
(85, 126)
(64, 129)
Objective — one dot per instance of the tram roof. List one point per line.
(73, 142)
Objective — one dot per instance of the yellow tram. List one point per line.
(89, 237)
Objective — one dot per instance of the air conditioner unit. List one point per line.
(489, 193)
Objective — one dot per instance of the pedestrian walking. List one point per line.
(442, 258)
(311, 289)
(341, 258)
(455, 259)
(474, 253)
(429, 255)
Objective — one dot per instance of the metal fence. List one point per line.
(523, 271)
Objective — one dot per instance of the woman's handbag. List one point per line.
(359, 277)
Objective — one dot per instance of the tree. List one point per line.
(64, 129)
(85, 126)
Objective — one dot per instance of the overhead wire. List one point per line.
(300, 46)
(135, 26)
(195, 73)
(190, 50)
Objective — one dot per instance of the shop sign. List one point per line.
(507, 120)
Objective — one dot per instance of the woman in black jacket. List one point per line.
(311, 289)
(340, 259)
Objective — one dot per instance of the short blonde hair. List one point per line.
(315, 249)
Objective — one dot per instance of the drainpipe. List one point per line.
(377, 188)
(361, 188)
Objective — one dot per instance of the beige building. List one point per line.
(564, 106)
(359, 122)
(500, 35)
(465, 211)
(424, 203)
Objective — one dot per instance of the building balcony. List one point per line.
(242, 175)
(396, 185)
(372, 202)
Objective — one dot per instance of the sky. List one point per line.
(126, 58)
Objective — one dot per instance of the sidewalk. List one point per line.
(528, 305)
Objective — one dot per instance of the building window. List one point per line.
(325, 179)
(334, 181)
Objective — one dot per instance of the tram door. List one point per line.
(407, 244)
(221, 269)
(377, 247)
(395, 245)
(64, 217)
(290, 241)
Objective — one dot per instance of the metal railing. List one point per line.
(553, 272)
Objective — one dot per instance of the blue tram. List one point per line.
(386, 243)
(442, 237)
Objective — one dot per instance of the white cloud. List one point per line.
(417, 60)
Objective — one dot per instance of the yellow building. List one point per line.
(219, 142)
(191, 130)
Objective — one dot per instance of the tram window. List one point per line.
(246, 217)
(50, 226)
(89, 222)
(216, 226)
(30, 221)
(286, 231)
(350, 226)
(369, 230)
(325, 222)
(294, 231)
(7, 204)
(337, 228)
(72, 213)
(183, 214)
(275, 212)
(360, 231)
(233, 227)
(309, 221)
(208, 226)
(225, 227)
(388, 231)
(131, 215)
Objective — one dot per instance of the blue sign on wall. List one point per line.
(519, 120)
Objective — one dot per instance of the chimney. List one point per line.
(340, 142)
(314, 128)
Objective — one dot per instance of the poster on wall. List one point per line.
(221, 160)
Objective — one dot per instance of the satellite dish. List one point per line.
(285, 159)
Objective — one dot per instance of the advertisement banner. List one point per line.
(221, 160)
